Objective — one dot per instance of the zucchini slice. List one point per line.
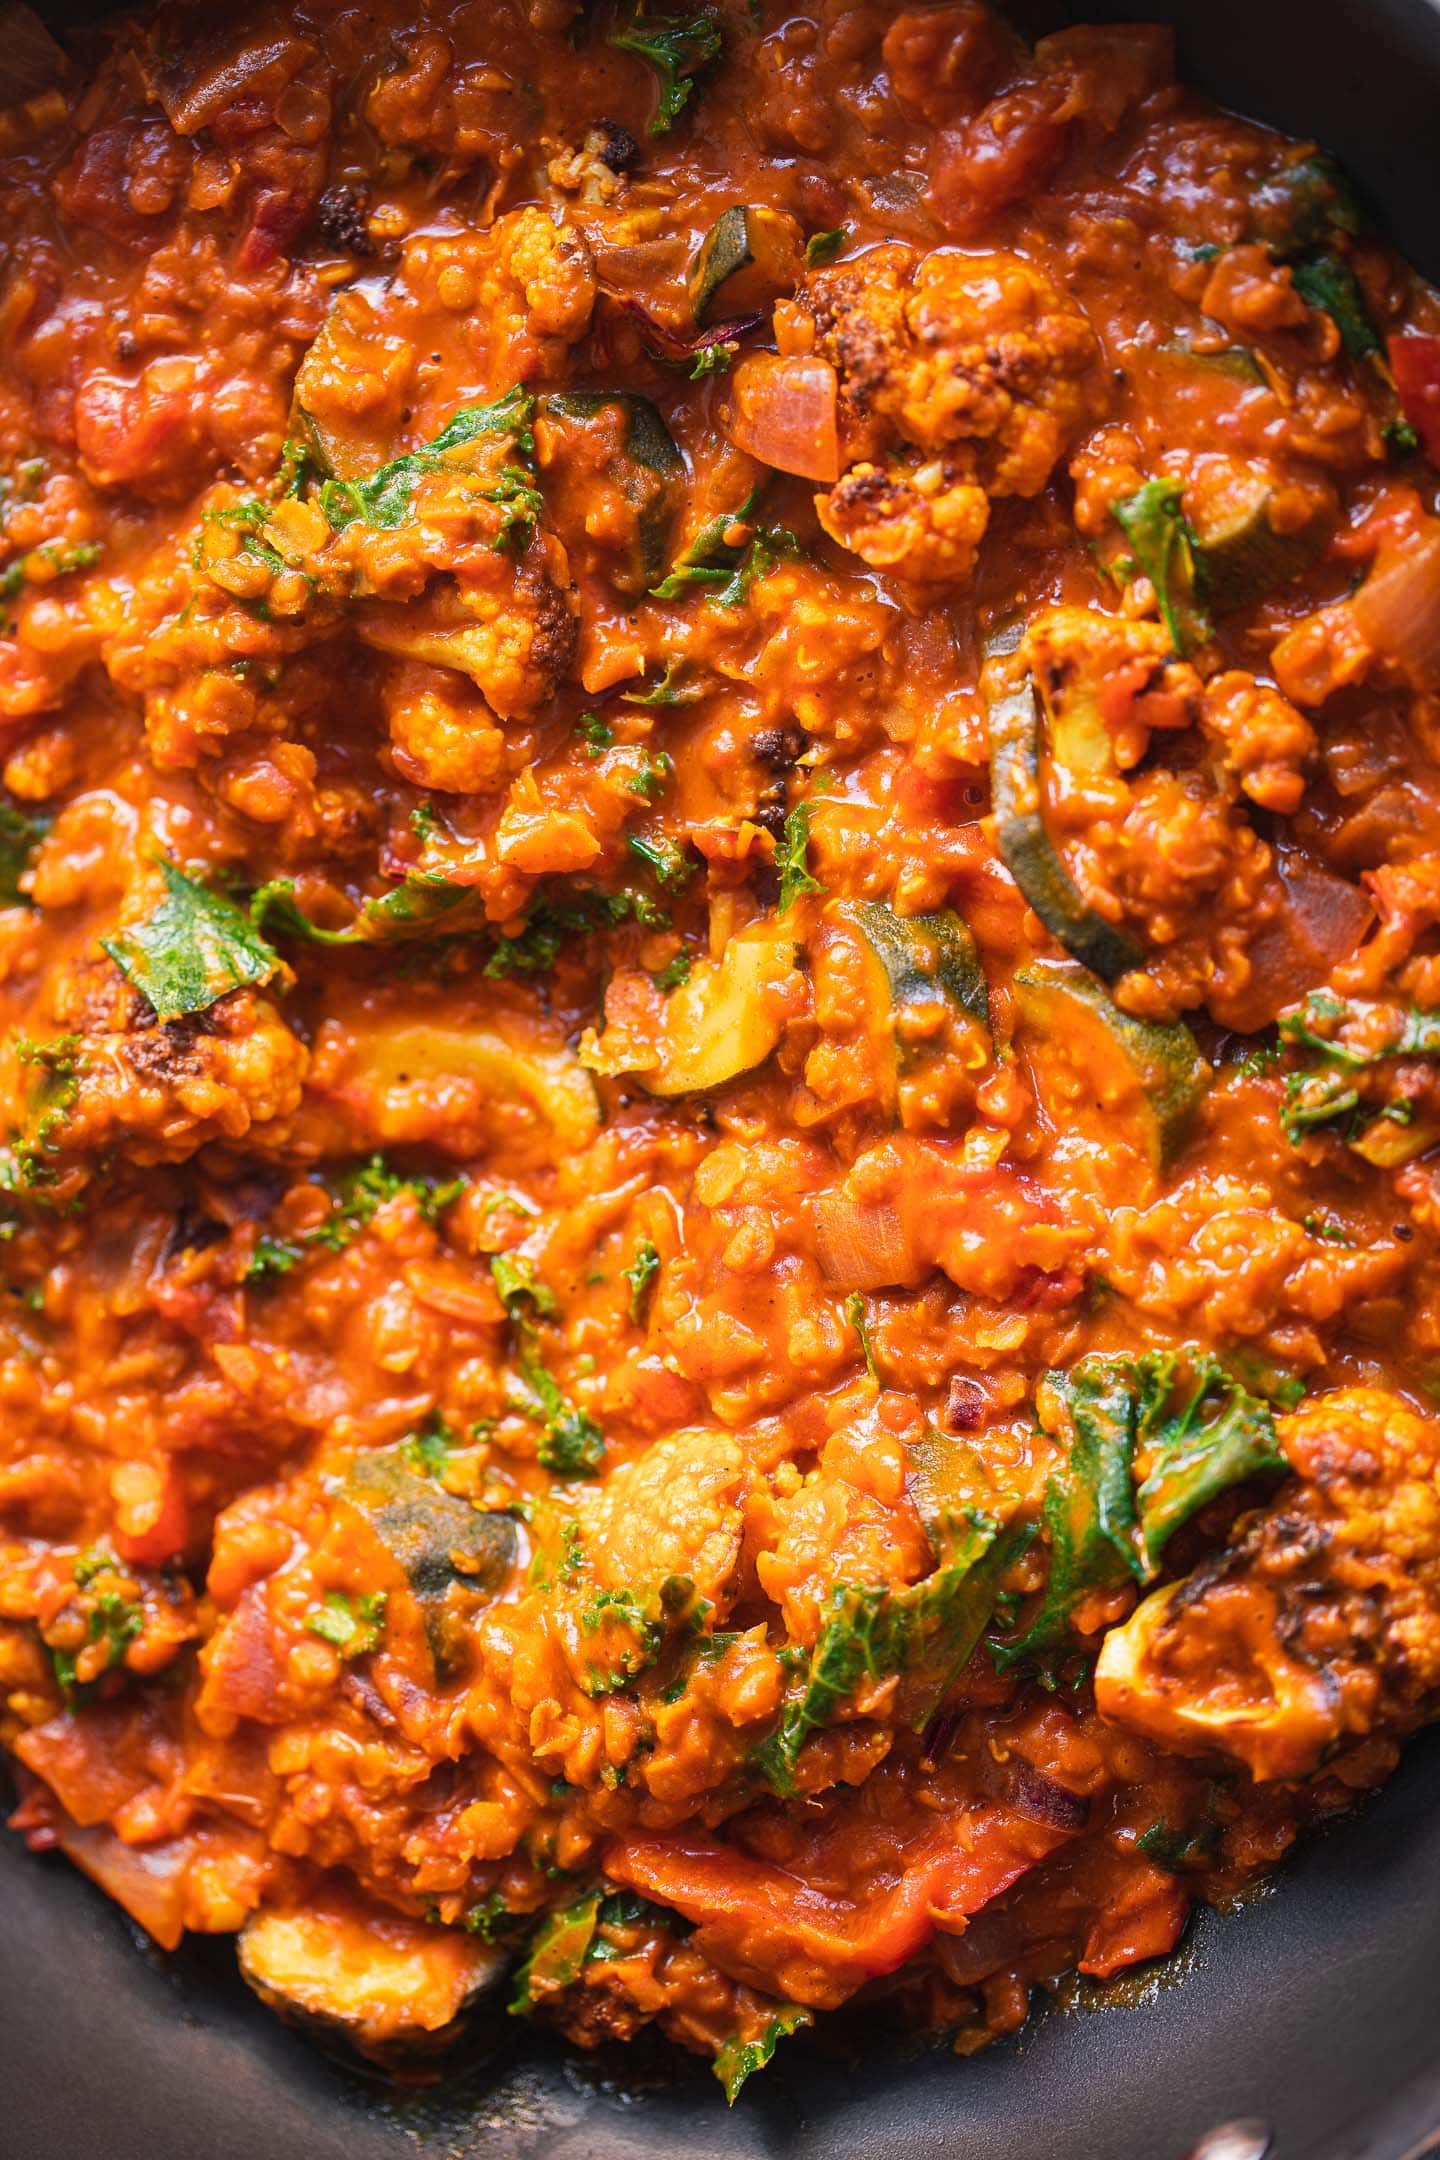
(397, 1054)
(1389, 1144)
(618, 437)
(454, 1557)
(927, 955)
(1028, 852)
(722, 1022)
(1100, 1066)
(342, 1971)
(1233, 363)
(1242, 556)
(754, 253)
(948, 1483)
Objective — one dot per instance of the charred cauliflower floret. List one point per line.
(1321, 1624)
(101, 1069)
(162, 1091)
(962, 378)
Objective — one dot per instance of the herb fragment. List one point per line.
(571, 1445)
(679, 48)
(1164, 545)
(1328, 283)
(606, 1610)
(855, 1314)
(51, 559)
(358, 1198)
(1349, 1048)
(192, 950)
(427, 1449)
(520, 1289)
(557, 1953)
(668, 863)
(823, 247)
(640, 1275)
(792, 856)
(728, 555)
(663, 690)
(736, 2059)
(353, 1625)
(111, 1616)
(29, 1166)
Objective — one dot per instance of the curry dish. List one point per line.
(721, 1005)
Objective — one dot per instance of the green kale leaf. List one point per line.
(739, 2059)
(386, 498)
(1193, 1431)
(1327, 282)
(557, 1953)
(192, 950)
(1164, 546)
(679, 48)
(923, 1633)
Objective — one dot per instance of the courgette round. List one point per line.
(1242, 556)
(1027, 850)
(350, 1976)
(927, 955)
(754, 253)
(642, 463)
(1148, 1073)
(455, 1558)
(722, 1022)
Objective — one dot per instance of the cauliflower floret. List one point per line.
(1321, 1624)
(962, 378)
(443, 733)
(513, 635)
(677, 1510)
(1264, 741)
(161, 1090)
(886, 519)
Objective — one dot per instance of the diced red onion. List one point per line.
(1397, 609)
(784, 413)
(670, 344)
(1028, 1792)
(861, 1244)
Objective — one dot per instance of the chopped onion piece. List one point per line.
(1397, 609)
(784, 414)
(862, 1244)
(1029, 1792)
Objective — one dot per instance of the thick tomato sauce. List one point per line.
(719, 994)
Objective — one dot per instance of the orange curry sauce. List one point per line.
(721, 854)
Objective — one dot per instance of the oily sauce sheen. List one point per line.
(720, 861)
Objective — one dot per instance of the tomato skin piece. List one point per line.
(1415, 364)
(764, 1923)
(153, 1515)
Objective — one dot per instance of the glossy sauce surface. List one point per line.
(719, 1006)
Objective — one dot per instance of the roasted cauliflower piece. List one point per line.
(961, 378)
(1321, 1624)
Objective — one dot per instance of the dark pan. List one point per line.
(1311, 2017)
